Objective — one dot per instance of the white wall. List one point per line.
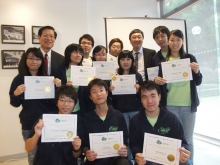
(71, 19)
(68, 17)
(98, 9)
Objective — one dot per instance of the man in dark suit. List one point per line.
(142, 56)
(47, 36)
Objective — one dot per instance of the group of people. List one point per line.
(156, 104)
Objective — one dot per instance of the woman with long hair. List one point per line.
(33, 65)
(181, 98)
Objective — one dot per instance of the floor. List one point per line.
(205, 154)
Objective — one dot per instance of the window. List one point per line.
(203, 35)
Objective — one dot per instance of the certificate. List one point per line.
(39, 87)
(106, 144)
(160, 149)
(124, 84)
(104, 70)
(82, 75)
(152, 72)
(59, 127)
(177, 70)
(114, 59)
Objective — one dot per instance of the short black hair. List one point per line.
(97, 49)
(149, 85)
(68, 91)
(161, 29)
(99, 82)
(126, 54)
(88, 37)
(113, 41)
(67, 53)
(135, 31)
(47, 27)
(23, 68)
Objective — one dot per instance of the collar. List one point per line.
(49, 53)
(140, 51)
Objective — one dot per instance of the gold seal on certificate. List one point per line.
(69, 134)
(89, 79)
(171, 157)
(116, 146)
(111, 74)
(114, 78)
(185, 74)
(47, 89)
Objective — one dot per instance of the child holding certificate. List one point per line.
(104, 119)
(57, 153)
(73, 55)
(156, 120)
(181, 98)
(33, 65)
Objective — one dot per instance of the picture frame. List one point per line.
(34, 34)
(11, 58)
(13, 34)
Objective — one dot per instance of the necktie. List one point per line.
(136, 60)
(46, 62)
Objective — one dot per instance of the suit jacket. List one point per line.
(148, 55)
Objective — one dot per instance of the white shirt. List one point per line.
(140, 62)
(48, 59)
(87, 61)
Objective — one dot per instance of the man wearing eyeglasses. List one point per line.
(87, 43)
(47, 36)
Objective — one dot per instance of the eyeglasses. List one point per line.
(114, 46)
(88, 43)
(66, 101)
(161, 36)
(34, 59)
(48, 35)
(77, 52)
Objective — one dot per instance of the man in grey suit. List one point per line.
(47, 36)
(142, 56)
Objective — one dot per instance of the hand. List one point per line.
(57, 82)
(19, 90)
(159, 80)
(76, 143)
(139, 158)
(38, 127)
(123, 151)
(184, 155)
(195, 67)
(69, 83)
(91, 155)
(111, 88)
(137, 86)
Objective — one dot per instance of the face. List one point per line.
(161, 40)
(76, 57)
(47, 39)
(115, 49)
(125, 63)
(65, 105)
(33, 62)
(86, 45)
(150, 100)
(98, 95)
(101, 55)
(175, 43)
(136, 41)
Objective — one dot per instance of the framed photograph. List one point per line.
(35, 30)
(13, 34)
(11, 58)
